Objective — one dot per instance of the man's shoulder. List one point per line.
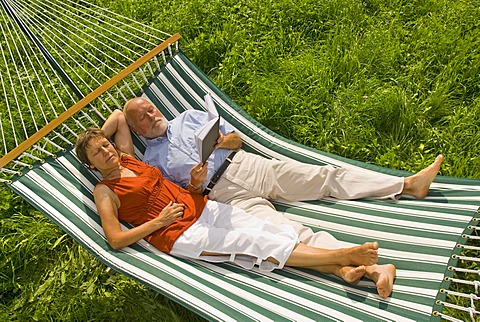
(188, 119)
(189, 114)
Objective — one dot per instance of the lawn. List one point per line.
(392, 83)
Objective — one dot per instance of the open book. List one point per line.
(206, 136)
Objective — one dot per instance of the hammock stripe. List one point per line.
(418, 236)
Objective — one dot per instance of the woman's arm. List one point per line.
(107, 206)
(198, 174)
(117, 125)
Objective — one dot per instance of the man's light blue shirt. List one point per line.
(176, 154)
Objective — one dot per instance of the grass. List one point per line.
(390, 83)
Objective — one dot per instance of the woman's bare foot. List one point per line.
(366, 254)
(383, 276)
(418, 184)
(351, 274)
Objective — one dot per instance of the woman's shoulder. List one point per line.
(102, 189)
(125, 156)
(126, 159)
(134, 164)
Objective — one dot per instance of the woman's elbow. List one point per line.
(116, 244)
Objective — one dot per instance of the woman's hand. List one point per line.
(169, 214)
(198, 174)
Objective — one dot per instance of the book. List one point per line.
(207, 135)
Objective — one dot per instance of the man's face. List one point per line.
(147, 119)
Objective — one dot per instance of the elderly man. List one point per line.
(249, 181)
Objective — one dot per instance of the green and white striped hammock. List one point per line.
(428, 240)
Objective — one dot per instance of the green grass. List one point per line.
(393, 83)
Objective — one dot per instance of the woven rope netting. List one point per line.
(65, 65)
(53, 54)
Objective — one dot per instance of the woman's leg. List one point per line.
(309, 257)
(228, 233)
(306, 256)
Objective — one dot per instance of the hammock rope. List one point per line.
(66, 65)
(41, 36)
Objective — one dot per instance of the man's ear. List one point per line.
(136, 131)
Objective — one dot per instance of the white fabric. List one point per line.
(250, 180)
(244, 239)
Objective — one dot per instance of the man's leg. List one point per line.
(263, 209)
(295, 181)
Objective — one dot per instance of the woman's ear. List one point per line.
(88, 166)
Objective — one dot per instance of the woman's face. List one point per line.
(101, 154)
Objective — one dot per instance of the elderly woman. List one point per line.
(184, 223)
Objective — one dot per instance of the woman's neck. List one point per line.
(112, 173)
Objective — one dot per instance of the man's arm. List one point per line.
(116, 125)
(231, 141)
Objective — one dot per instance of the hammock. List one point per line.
(431, 241)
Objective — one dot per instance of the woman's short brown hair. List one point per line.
(83, 141)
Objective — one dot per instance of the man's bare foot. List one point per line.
(366, 254)
(383, 276)
(351, 274)
(418, 184)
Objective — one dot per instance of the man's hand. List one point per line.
(198, 174)
(169, 214)
(231, 141)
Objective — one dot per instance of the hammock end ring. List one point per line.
(435, 313)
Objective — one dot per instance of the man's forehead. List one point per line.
(144, 103)
(143, 106)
